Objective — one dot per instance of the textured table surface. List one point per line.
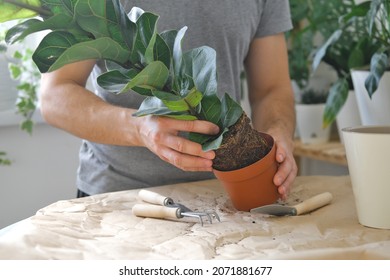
(103, 227)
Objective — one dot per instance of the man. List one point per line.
(120, 151)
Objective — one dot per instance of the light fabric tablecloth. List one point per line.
(103, 227)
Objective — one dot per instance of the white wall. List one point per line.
(43, 170)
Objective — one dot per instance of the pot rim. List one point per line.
(368, 129)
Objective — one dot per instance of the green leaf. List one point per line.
(200, 138)
(91, 15)
(178, 53)
(169, 36)
(153, 76)
(20, 31)
(3, 159)
(106, 19)
(115, 80)
(359, 10)
(178, 103)
(154, 106)
(374, 15)
(200, 64)
(162, 52)
(211, 109)
(127, 27)
(379, 63)
(58, 49)
(17, 55)
(173, 102)
(320, 53)
(193, 98)
(61, 6)
(337, 96)
(15, 71)
(145, 39)
(164, 112)
(11, 12)
(52, 46)
(27, 125)
(231, 111)
(215, 143)
(356, 58)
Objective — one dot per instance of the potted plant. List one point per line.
(300, 41)
(348, 47)
(368, 61)
(312, 21)
(374, 107)
(176, 83)
(309, 111)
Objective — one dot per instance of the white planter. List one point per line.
(368, 155)
(375, 111)
(349, 115)
(309, 123)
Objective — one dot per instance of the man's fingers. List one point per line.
(185, 146)
(186, 162)
(203, 127)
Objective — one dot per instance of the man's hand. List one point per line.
(161, 136)
(287, 170)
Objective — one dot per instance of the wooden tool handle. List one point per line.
(154, 198)
(155, 211)
(313, 203)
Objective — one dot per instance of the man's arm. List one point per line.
(66, 104)
(272, 102)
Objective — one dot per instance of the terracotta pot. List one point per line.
(252, 186)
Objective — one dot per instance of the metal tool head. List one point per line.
(185, 211)
(213, 214)
(195, 215)
(275, 210)
(200, 215)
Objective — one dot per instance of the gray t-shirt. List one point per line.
(228, 26)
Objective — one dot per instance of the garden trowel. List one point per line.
(304, 207)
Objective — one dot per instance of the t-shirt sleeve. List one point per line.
(276, 18)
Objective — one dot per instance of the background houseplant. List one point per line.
(348, 47)
(373, 108)
(326, 31)
(22, 80)
(3, 159)
(312, 22)
(177, 84)
(364, 30)
(309, 111)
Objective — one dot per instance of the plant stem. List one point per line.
(39, 10)
(192, 111)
